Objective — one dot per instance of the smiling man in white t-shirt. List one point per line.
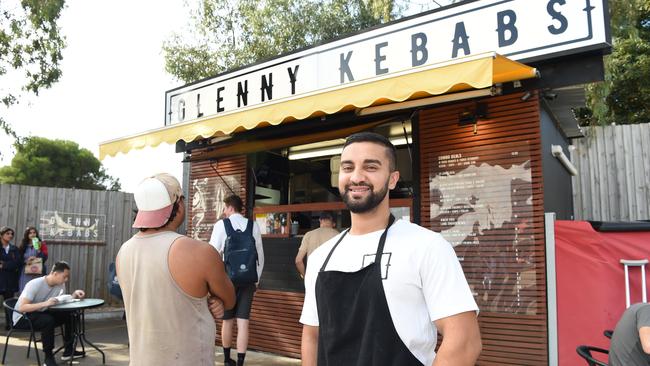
(359, 313)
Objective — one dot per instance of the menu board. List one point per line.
(481, 202)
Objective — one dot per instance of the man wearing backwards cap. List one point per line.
(172, 288)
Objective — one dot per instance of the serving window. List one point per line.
(308, 173)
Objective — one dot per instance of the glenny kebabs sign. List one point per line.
(524, 30)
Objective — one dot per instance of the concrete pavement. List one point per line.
(110, 335)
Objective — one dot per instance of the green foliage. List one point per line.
(629, 91)
(630, 18)
(56, 163)
(30, 48)
(624, 96)
(226, 34)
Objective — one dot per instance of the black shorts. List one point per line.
(244, 301)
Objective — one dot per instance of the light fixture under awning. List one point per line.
(472, 72)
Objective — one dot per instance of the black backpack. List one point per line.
(240, 254)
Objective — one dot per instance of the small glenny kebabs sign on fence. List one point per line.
(58, 226)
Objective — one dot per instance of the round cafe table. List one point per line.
(77, 312)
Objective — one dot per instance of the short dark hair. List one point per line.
(235, 202)
(60, 266)
(376, 138)
(326, 215)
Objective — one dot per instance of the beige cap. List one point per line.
(155, 197)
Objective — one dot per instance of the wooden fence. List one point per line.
(22, 206)
(613, 181)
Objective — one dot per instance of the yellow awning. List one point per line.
(477, 72)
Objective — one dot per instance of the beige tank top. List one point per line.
(166, 326)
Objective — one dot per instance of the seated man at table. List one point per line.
(39, 294)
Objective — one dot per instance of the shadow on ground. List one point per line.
(110, 336)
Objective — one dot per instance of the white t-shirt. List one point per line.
(218, 237)
(423, 280)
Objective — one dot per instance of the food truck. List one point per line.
(477, 98)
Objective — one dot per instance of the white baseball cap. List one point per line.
(155, 197)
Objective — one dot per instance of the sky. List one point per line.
(113, 84)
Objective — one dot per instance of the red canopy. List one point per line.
(591, 283)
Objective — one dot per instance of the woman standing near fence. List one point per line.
(10, 263)
(34, 254)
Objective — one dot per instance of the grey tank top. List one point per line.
(165, 325)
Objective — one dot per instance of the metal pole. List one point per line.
(627, 287)
(645, 298)
(551, 288)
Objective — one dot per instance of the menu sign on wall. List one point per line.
(470, 196)
(72, 227)
(482, 203)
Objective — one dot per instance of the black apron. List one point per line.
(356, 328)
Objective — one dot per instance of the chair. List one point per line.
(10, 305)
(585, 352)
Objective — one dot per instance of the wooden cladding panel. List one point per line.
(207, 190)
(274, 323)
(486, 193)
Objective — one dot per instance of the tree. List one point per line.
(30, 49)
(624, 96)
(226, 34)
(56, 163)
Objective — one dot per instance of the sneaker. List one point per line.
(50, 361)
(68, 355)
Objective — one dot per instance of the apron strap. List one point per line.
(322, 268)
(380, 247)
(382, 240)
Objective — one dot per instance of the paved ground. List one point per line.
(110, 335)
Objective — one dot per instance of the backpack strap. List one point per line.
(249, 231)
(228, 226)
(249, 227)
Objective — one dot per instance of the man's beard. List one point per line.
(370, 202)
